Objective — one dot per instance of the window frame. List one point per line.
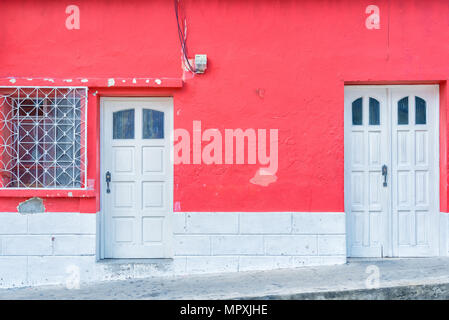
(54, 93)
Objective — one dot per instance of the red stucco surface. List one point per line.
(272, 64)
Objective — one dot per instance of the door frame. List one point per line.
(101, 235)
(440, 234)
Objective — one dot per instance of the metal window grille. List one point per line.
(43, 137)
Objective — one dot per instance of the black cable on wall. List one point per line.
(182, 38)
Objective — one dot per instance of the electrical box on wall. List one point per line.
(200, 63)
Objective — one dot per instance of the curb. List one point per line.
(409, 292)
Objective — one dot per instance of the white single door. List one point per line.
(391, 171)
(137, 177)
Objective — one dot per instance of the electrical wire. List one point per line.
(183, 38)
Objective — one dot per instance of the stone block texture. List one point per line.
(241, 241)
(40, 248)
(63, 248)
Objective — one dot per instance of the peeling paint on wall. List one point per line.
(32, 205)
(263, 179)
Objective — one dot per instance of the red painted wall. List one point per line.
(272, 64)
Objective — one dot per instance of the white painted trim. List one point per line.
(444, 233)
(393, 86)
(45, 87)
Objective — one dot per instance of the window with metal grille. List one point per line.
(43, 137)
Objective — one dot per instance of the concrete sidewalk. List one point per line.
(423, 278)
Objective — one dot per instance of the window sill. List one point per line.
(48, 193)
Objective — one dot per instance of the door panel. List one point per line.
(415, 205)
(136, 151)
(399, 130)
(366, 143)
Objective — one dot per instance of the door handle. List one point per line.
(384, 173)
(108, 179)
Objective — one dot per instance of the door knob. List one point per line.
(384, 173)
(108, 179)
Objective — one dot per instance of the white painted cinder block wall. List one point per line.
(38, 248)
(54, 248)
(228, 241)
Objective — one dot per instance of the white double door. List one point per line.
(391, 171)
(137, 177)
